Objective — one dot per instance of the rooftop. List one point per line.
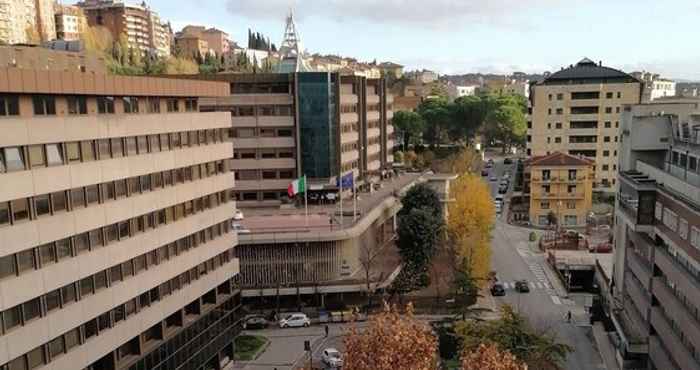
(560, 159)
(587, 71)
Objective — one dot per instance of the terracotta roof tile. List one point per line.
(560, 159)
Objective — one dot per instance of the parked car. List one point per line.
(507, 161)
(499, 198)
(238, 215)
(240, 228)
(255, 322)
(493, 178)
(522, 286)
(332, 357)
(601, 248)
(295, 320)
(497, 290)
(484, 173)
(502, 189)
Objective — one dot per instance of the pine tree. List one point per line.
(250, 39)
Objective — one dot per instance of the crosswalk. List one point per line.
(533, 285)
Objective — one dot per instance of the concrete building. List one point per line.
(577, 111)
(70, 22)
(27, 21)
(322, 125)
(655, 87)
(115, 223)
(506, 86)
(139, 23)
(191, 46)
(391, 69)
(216, 40)
(562, 184)
(656, 285)
(456, 91)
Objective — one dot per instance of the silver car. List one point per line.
(332, 357)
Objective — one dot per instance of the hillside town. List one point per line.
(174, 197)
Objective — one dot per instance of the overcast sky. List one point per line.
(460, 36)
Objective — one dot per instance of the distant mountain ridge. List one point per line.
(480, 78)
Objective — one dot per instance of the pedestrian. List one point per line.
(568, 317)
(326, 331)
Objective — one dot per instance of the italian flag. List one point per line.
(297, 186)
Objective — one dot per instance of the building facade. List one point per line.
(138, 23)
(70, 22)
(655, 87)
(40, 58)
(563, 185)
(115, 223)
(318, 124)
(577, 111)
(214, 40)
(657, 238)
(27, 21)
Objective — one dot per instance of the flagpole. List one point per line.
(341, 200)
(306, 201)
(354, 201)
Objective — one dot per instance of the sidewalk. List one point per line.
(605, 347)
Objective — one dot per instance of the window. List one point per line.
(605, 167)
(72, 339)
(87, 151)
(12, 317)
(92, 194)
(36, 156)
(153, 105)
(546, 189)
(606, 139)
(54, 154)
(103, 148)
(670, 219)
(53, 300)
(560, 96)
(142, 144)
(131, 104)
(546, 174)
(63, 248)
(571, 189)
(76, 104)
(59, 201)
(173, 105)
(9, 105)
(619, 95)
(557, 140)
(31, 309)
(105, 104)
(571, 205)
(117, 147)
(44, 105)
(609, 95)
(42, 205)
(245, 132)
(606, 153)
(560, 111)
(608, 124)
(608, 110)
(20, 209)
(695, 237)
(683, 229)
(14, 159)
(558, 125)
(68, 294)
(284, 133)
(4, 213)
(191, 105)
(544, 205)
(56, 347)
(7, 266)
(73, 152)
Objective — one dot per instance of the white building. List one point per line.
(456, 91)
(655, 87)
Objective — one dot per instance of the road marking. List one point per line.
(556, 300)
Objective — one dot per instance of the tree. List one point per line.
(512, 333)
(97, 39)
(176, 65)
(391, 341)
(436, 114)
(421, 196)
(370, 251)
(468, 115)
(466, 160)
(418, 234)
(469, 226)
(409, 126)
(506, 120)
(489, 357)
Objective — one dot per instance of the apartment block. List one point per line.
(577, 111)
(27, 21)
(215, 40)
(657, 238)
(115, 223)
(561, 184)
(138, 23)
(322, 125)
(70, 22)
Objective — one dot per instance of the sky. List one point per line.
(469, 36)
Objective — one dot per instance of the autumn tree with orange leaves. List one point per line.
(391, 341)
(489, 357)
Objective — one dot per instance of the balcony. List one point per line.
(659, 356)
(676, 309)
(639, 296)
(636, 205)
(639, 267)
(677, 272)
(667, 334)
(558, 196)
(565, 179)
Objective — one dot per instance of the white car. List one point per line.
(332, 357)
(295, 320)
(493, 178)
(240, 229)
(238, 215)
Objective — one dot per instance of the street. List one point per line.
(513, 259)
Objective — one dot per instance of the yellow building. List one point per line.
(561, 184)
(577, 111)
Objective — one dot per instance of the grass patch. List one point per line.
(247, 346)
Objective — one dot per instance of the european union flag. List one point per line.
(346, 181)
